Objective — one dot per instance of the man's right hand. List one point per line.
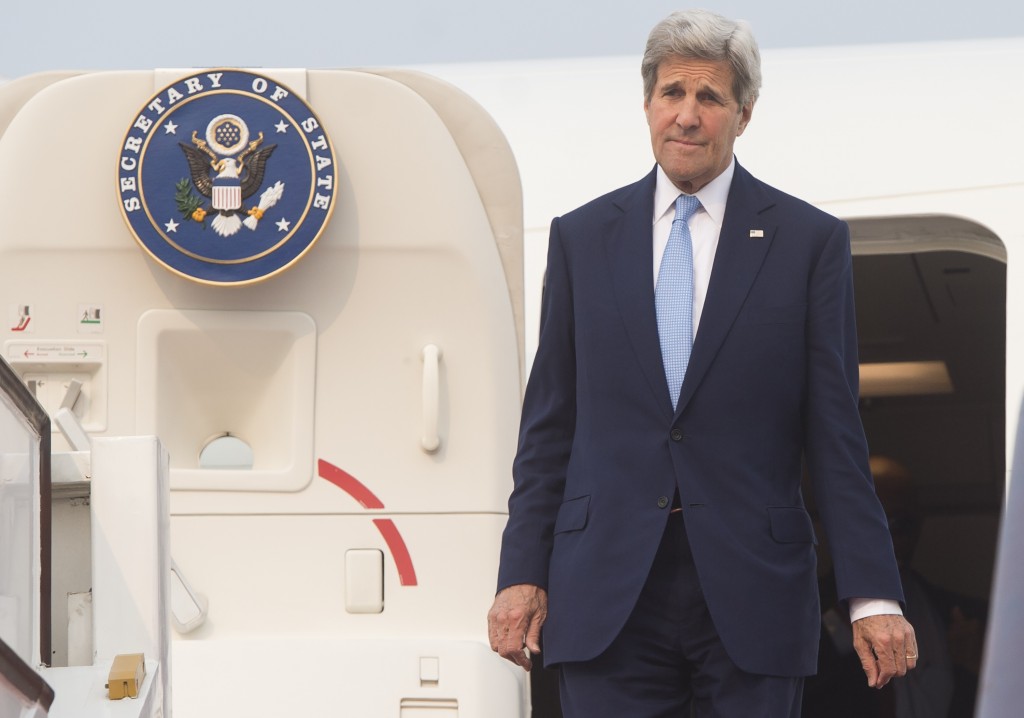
(514, 622)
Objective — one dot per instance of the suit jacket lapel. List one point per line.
(630, 256)
(737, 261)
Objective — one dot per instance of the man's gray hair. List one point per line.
(704, 35)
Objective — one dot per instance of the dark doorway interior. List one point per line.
(945, 437)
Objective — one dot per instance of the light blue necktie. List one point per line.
(673, 297)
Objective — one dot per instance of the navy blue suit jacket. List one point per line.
(772, 379)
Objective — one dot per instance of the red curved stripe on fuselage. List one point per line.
(350, 485)
(403, 561)
(368, 500)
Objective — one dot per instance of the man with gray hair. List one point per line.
(697, 349)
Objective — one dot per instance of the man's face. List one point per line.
(694, 120)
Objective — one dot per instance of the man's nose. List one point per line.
(688, 114)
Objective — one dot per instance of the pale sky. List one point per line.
(120, 34)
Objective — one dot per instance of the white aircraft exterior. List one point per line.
(860, 131)
(377, 381)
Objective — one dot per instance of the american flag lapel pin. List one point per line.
(756, 233)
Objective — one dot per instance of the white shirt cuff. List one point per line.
(864, 607)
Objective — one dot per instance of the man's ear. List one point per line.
(745, 113)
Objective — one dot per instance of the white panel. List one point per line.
(285, 575)
(50, 367)
(430, 670)
(71, 562)
(130, 552)
(442, 708)
(248, 374)
(338, 677)
(19, 535)
(79, 608)
(364, 581)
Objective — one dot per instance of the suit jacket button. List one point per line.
(676, 435)
(662, 502)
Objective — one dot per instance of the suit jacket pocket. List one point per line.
(572, 514)
(791, 313)
(791, 524)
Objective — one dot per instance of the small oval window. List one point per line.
(225, 451)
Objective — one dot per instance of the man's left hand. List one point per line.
(887, 647)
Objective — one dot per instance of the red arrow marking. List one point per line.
(368, 500)
(350, 485)
(403, 561)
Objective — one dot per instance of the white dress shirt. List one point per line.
(705, 228)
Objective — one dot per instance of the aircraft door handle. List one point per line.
(188, 607)
(431, 440)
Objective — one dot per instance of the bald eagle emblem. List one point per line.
(227, 177)
(226, 169)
